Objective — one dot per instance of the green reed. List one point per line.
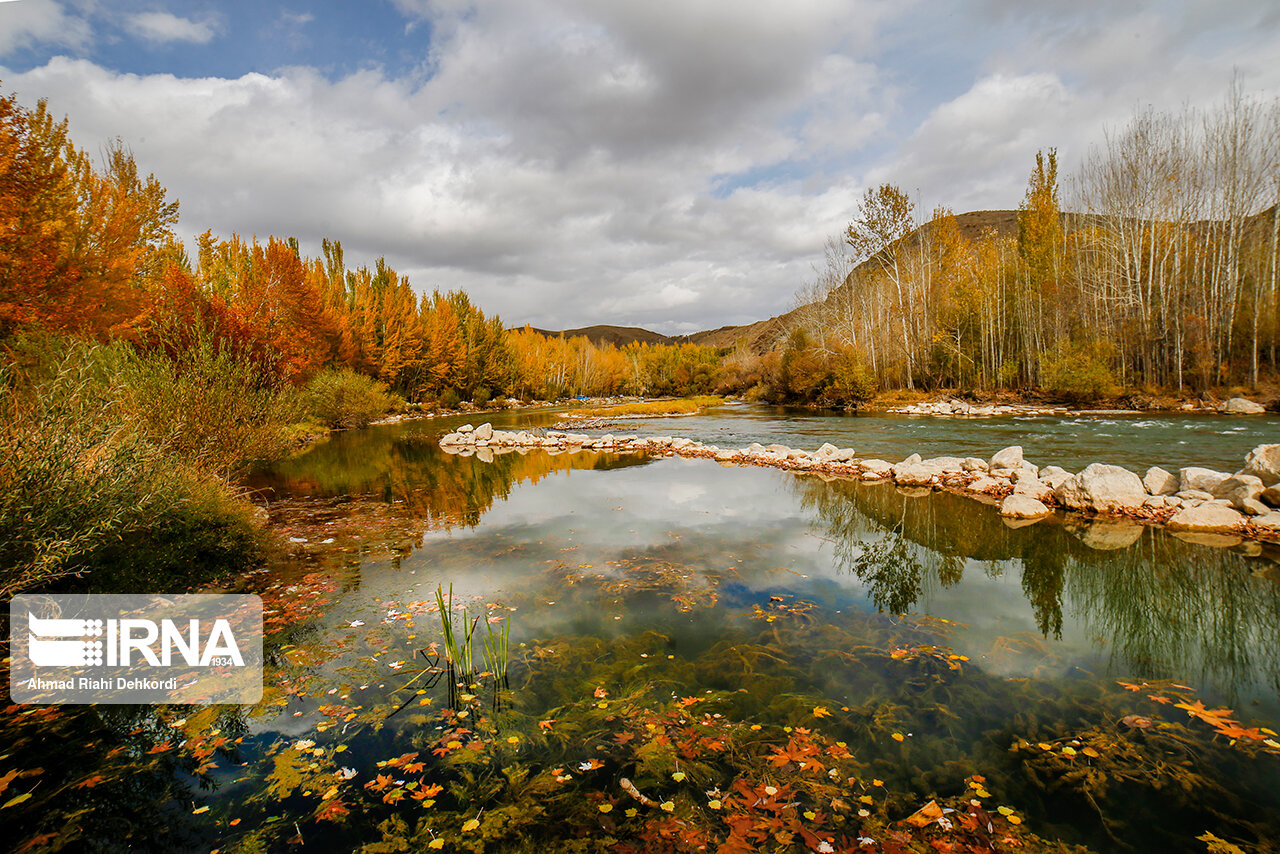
(496, 649)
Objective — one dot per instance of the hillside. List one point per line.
(619, 336)
(761, 336)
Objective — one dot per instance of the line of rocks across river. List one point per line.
(1196, 500)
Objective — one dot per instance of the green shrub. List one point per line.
(343, 399)
(205, 406)
(1076, 372)
(83, 491)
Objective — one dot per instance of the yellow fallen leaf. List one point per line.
(471, 825)
(897, 736)
(668, 806)
(821, 712)
(1013, 819)
(678, 776)
(1005, 811)
(606, 808)
(1068, 751)
(513, 739)
(20, 799)
(867, 799)
(810, 814)
(982, 793)
(877, 782)
(1044, 745)
(714, 804)
(436, 843)
(630, 813)
(1091, 753)
(197, 810)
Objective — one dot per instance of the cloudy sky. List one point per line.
(674, 164)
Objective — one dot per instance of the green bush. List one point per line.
(205, 406)
(1076, 372)
(343, 399)
(84, 492)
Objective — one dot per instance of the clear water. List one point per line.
(678, 623)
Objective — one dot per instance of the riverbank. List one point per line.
(1208, 506)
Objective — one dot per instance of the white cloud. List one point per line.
(166, 28)
(670, 164)
(30, 22)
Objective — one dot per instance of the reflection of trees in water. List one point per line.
(1166, 608)
(415, 477)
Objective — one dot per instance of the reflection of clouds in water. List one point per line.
(684, 493)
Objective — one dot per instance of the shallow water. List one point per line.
(683, 625)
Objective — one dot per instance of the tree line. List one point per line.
(1162, 273)
(89, 250)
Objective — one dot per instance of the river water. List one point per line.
(709, 633)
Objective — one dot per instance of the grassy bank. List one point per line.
(652, 408)
(119, 466)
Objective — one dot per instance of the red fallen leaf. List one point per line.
(160, 748)
(600, 692)
(623, 737)
(1159, 699)
(1135, 721)
(415, 767)
(86, 783)
(546, 725)
(333, 811)
(685, 702)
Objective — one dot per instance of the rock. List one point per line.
(1194, 495)
(1032, 488)
(914, 458)
(1009, 458)
(1022, 507)
(825, 451)
(1160, 482)
(681, 443)
(1206, 517)
(465, 428)
(877, 468)
(1264, 462)
(484, 455)
(1243, 406)
(724, 456)
(1102, 489)
(1239, 489)
(1201, 479)
(1253, 507)
(1271, 495)
(983, 484)
(1105, 534)
(915, 474)
(1053, 476)
(1268, 520)
(973, 464)
(947, 464)
(451, 439)
(484, 432)
(844, 455)
(778, 449)
(754, 448)
(1155, 502)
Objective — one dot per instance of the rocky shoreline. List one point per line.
(1212, 507)
(964, 409)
